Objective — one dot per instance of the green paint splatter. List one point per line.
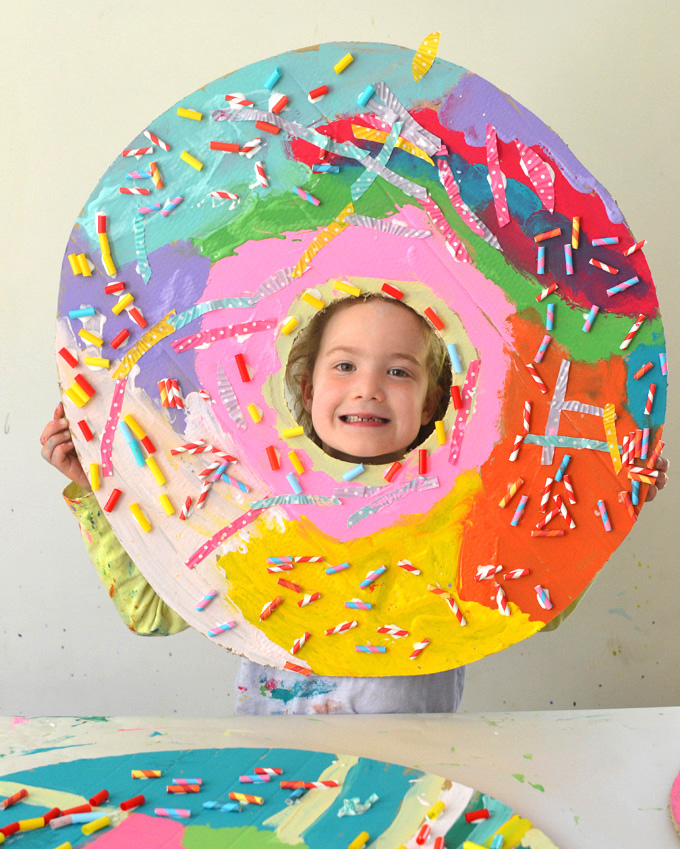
(537, 787)
(528, 757)
(205, 837)
(518, 775)
(91, 718)
(453, 748)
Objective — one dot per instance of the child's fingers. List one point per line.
(56, 441)
(51, 428)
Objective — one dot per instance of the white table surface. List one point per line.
(588, 779)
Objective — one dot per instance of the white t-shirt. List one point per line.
(265, 690)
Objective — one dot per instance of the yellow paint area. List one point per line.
(293, 820)
(42, 796)
(397, 597)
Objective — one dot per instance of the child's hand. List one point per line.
(58, 450)
(661, 467)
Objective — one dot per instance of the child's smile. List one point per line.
(368, 392)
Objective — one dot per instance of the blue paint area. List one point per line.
(637, 389)
(219, 769)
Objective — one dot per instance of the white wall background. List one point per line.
(79, 81)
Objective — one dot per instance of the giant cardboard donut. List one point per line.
(464, 203)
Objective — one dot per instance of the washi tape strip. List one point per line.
(217, 539)
(317, 500)
(140, 248)
(322, 238)
(367, 177)
(228, 398)
(377, 135)
(152, 336)
(110, 426)
(425, 56)
(279, 280)
(178, 321)
(609, 418)
(462, 415)
(419, 484)
(556, 441)
(540, 173)
(453, 241)
(388, 226)
(411, 130)
(496, 178)
(477, 226)
(207, 337)
(356, 491)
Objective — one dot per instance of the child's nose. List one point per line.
(369, 386)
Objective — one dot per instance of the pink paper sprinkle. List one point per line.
(496, 177)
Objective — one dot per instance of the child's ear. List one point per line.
(307, 392)
(430, 406)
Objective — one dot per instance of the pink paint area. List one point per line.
(675, 801)
(355, 252)
(140, 830)
(20, 720)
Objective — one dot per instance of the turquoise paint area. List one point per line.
(363, 779)
(307, 688)
(478, 832)
(637, 389)
(219, 769)
(51, 749)
(300, 72)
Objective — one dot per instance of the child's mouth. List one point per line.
(364, 420)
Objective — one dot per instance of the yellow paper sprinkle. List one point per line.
(310, 299)
(289, 324)
(343, 63)
(142, 521)
(290, 432)
(166, 504)
(295, 461)
(255, 413)
(189, 113)
(122, 303)
(97, 362)
(155, 471)
(109, 264)
(425, 56)
(84, 265)
(190, 160)
(342, 286)
(94, 476)
(92, 338)
(441, 432)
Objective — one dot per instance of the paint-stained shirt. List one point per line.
(259, 689)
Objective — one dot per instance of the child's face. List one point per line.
(368, 393)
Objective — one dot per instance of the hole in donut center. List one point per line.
(367, 378)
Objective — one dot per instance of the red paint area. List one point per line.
(588, 285)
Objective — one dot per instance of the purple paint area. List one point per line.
(179, 275)
(474, 97)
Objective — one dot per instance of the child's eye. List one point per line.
(398, 372)
(344, 366)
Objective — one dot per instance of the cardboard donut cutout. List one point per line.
(253, 798)
(240, 214)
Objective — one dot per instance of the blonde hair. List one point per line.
(303, 354)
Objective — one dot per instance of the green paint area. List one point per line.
(537, 787)
(269, 218)
(528, 757)
(205, 837)
(518, 775)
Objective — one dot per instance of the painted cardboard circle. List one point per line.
(218, 276)
(403, 797)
